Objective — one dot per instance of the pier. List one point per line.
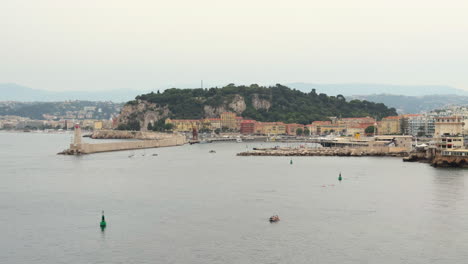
(78, 147)
(344, 152)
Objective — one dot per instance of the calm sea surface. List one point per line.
(189, 206)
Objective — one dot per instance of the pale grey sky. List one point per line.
(136, 44)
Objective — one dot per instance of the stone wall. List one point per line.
(124, 134)
(86, 148)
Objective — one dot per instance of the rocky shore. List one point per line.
(342, 152)
(437, 160)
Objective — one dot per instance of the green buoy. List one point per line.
(339, 177)
(103, 223)
(290, 162)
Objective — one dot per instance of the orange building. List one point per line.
(247, 127)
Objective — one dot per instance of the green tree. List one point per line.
(133, 125)
(306, 132)
(150, 126)
(168, 127)
(369, 130)
(299, 131)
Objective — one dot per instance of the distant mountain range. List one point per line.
(15, 92)
(414, 104)
(348, 89)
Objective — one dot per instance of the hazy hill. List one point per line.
(15, 92)
(348, 89)
(36, 110)
(414, 104)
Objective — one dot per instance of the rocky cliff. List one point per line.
(146, 112)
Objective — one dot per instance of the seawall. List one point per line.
(124, 134)
(87, 148)
(355, 152)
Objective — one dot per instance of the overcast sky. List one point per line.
(112, 44)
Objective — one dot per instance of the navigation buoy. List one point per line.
(339, 177)
(103, 223)
(290, 162)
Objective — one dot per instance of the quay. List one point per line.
(77, 147)
(343, 152)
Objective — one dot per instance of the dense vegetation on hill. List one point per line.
(284, 104)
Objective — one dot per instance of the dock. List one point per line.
(78, 147)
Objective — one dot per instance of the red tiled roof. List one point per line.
(248, 121)
(321, 122)
(392, 117)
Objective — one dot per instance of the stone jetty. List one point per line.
(78, 147)
(343, 152)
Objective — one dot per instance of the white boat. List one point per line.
(239, 140)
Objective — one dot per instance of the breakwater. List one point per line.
(78, 148)
(344, 152)
(123, 134)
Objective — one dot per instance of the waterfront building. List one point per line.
(316, 127)
(449, 125)
(215, 123)
(291, 129)
(228, 120)
(390, 125)
(449, 132)
(360, 128)
(398, 141)
(356, 121)
(271, 128)
(449, 142)
(184, 125)
(420, 125)
(247, 127)
(455, 152)
(239, 120)
(331, 129)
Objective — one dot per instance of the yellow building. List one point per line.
(228, 120)
(184, 125)
(389, 126)
(271, 128)
(328, 129)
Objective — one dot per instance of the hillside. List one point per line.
(275, 103)
(414, 104)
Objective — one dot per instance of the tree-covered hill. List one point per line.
(275, 103)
